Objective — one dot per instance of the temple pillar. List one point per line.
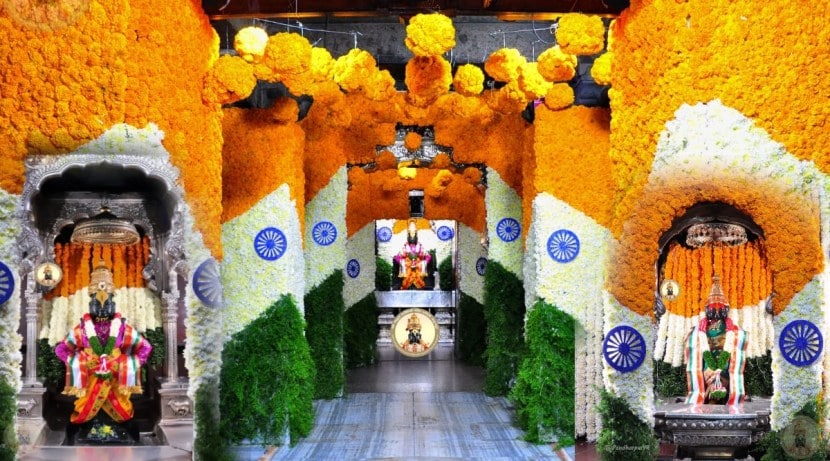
(176, 425)
(30, 423)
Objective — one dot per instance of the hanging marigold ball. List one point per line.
(430, 34)
(250, 43)
(556, 65)
(469, 80)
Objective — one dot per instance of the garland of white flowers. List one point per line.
(328, 205)
(501, 201)
(470, 249)
(361, 248)
(10, 340)
(576, 288)
(252, 284)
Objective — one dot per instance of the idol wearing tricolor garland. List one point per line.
(103, 356)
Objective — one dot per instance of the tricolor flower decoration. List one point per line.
(580, 34)
(430, 34)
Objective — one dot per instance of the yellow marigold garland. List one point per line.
(559, 96)
(601, 69)
(430, 34)
(504, 64)
(469, 80)
(250, 43)
(580, 34)
(352, 70)
(286, 54)
(531, 81)
(557, 66)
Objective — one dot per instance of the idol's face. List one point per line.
(101, 311)
(717, 313)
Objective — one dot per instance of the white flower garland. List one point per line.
(328, 205)
(10, 340)
(576, 288)
(501, 201)
(252, 284)
(635, 387)
(360, 247)
(470, 250)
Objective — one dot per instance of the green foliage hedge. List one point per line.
(362, 333)
(8, 408)
(383, 275)
(446, 275)
(324, 310)
(504, 311)
(671, 381)
(624, 437)
(267, 380)
(209, 443)
(545, 388)
(472, 330)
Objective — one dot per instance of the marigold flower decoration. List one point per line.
(286, 53)
(580, 34)
(601, 69)
(556, 65)
(430, 34)
(532, 82)
(284, 110)
(250, 43)
(560, 96)
(386, 160)
(469, 80)
(427, 78)
(504, 64)
(231, 79)
(352, 70)
(412, 140)
(381, 86)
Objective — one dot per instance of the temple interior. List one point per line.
(435, 230)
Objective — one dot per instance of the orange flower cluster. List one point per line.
(412, 140)
(427, 78)
(504, 64)
(566, 167)
(231, 79)
(557, 66)
(382, 195)
(792, 245)
(469, 80)
(77, 261)
(286, 54)
(559, 96)
(668, 53)
(745, 275)
(251, 167)
(430, 34)
(580, 34)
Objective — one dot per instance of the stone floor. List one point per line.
(429, 408)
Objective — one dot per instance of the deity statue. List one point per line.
(414, 342)
(412, 261)
(715, 354)
(103, 356)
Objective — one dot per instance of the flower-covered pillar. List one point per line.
(503, 293)
(10, 340)
(325, 260)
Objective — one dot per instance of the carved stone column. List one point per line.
(176, 425)
(31, 424)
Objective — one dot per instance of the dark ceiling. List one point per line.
(504, 9)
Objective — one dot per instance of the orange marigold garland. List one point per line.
(352, 70)
(469, 80)
(557, 66)
(601, 69)
(412, 140)
(559, 96)
(427, 78)
(231, 79)
(286, 53)
(504, 64)
(531, 81)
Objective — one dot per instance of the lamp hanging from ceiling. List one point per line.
(106, 228)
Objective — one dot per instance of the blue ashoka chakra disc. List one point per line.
(324, 233)
(6, 283)
(801, 342)
(270, 244)
(384, 234)
(508, 229)
(624, 348)
(353, 268)
(481, 266)
(207, 284)
(563, 246)
(445, 233)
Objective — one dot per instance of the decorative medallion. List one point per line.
(445, 233)
(6, 283)
(270, 244)
(508, 229)
(670, 290)
(384, 234)
(324, 233)
(48, 275)
(207, 284)
(801, 438)
(353, 268)
(624, 348)
(481, 266)
(414, 332)
(563, 246)
(801, 343)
